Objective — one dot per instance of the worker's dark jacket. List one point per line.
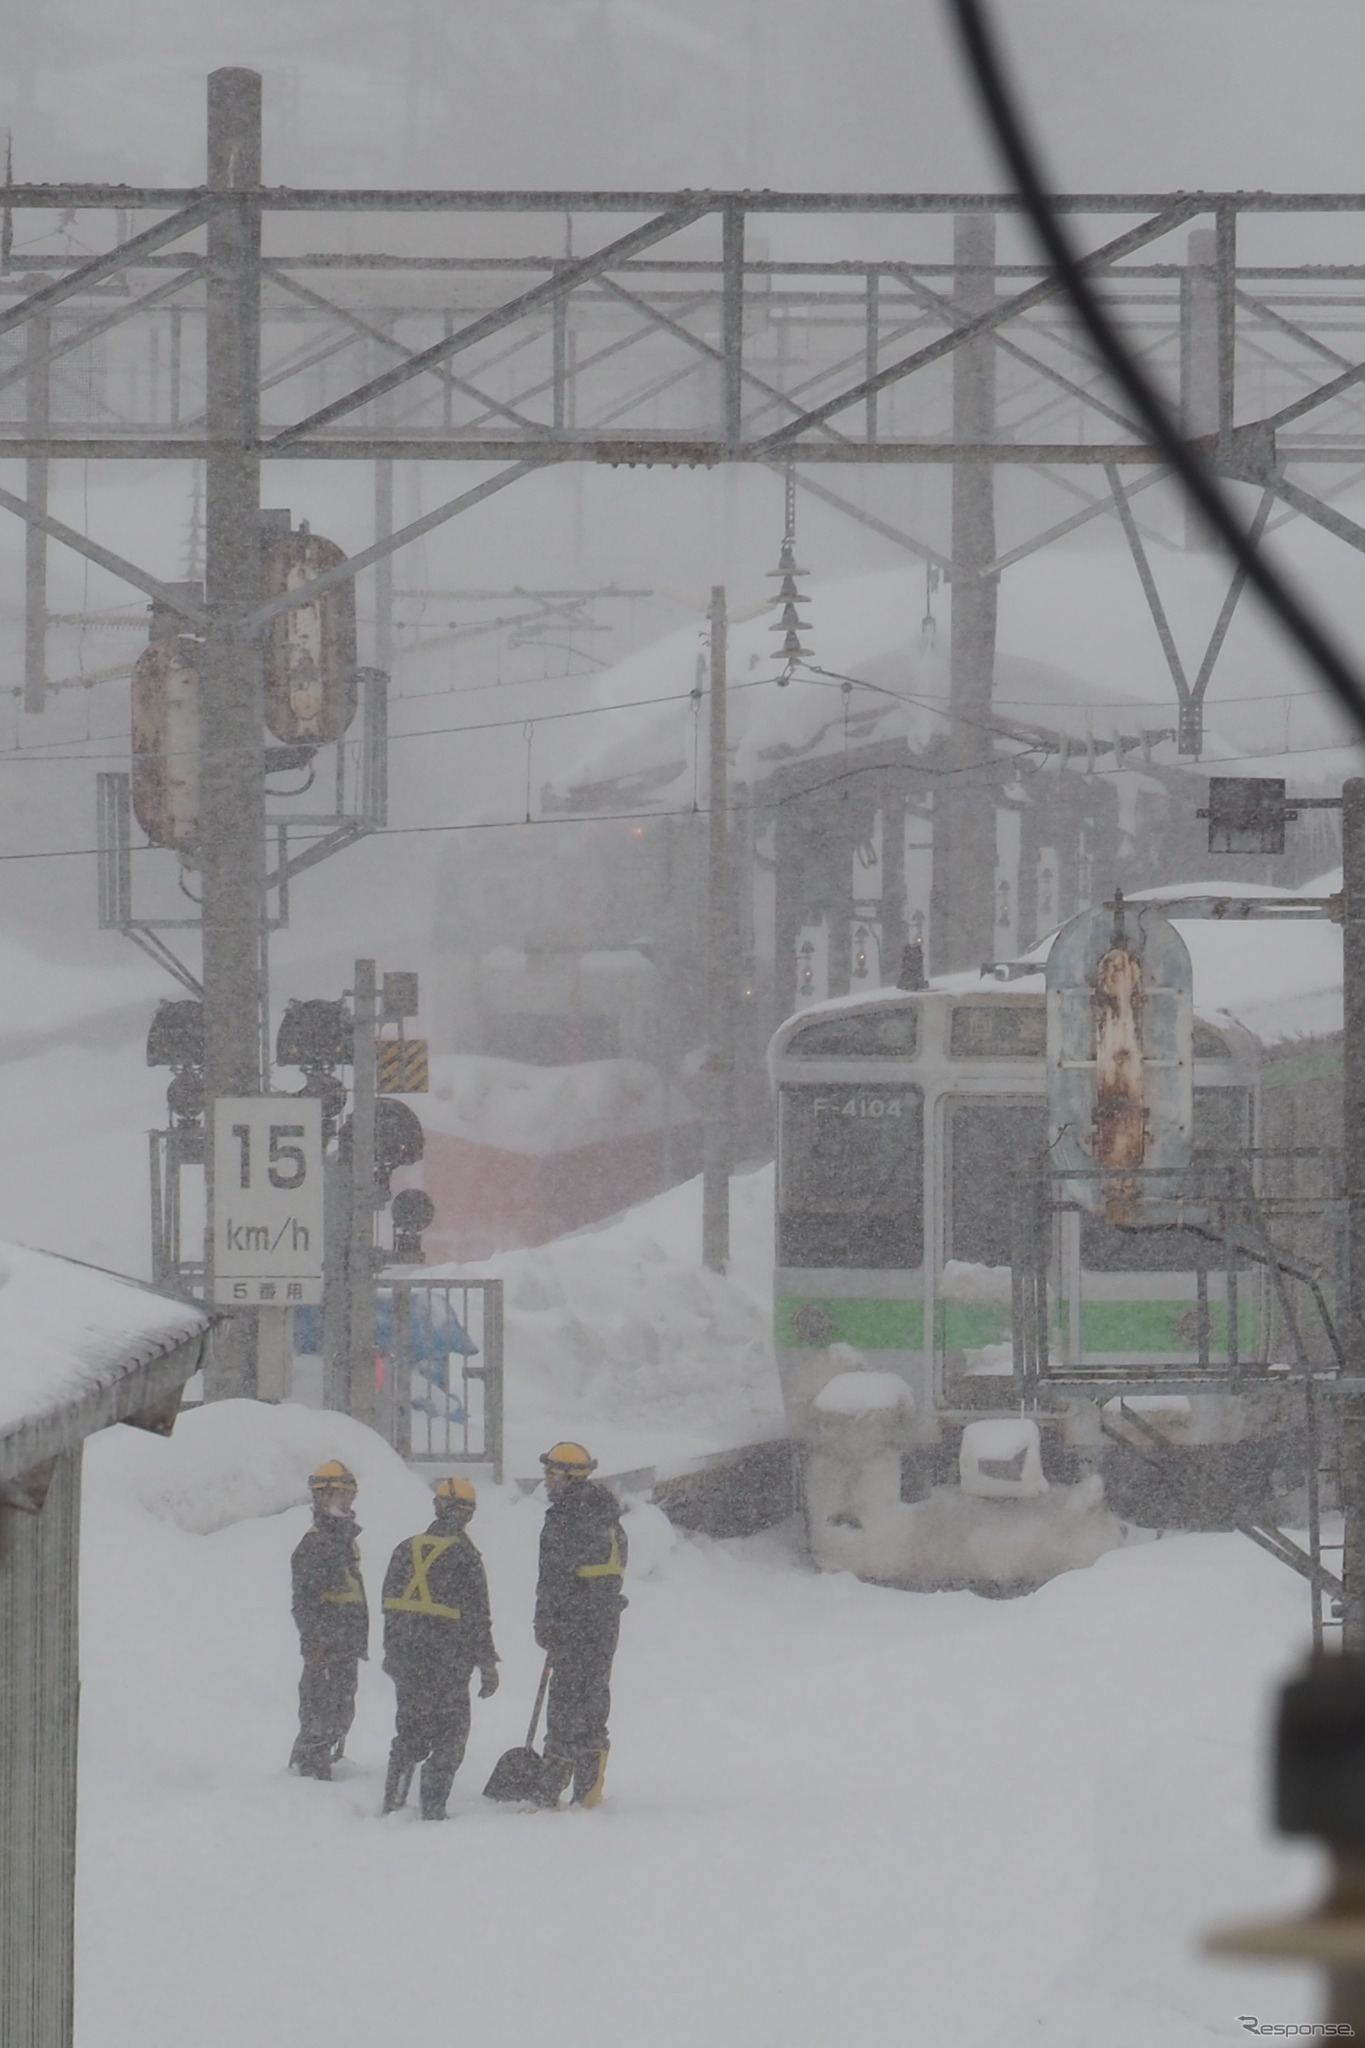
(436, 1605)
(329, 1596)
(582, 1558)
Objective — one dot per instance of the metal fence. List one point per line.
(439, 1343)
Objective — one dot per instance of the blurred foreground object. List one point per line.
(1320, 1791)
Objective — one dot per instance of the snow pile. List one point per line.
(960, 1537)
(619, 1335)
(863, 1393)
(1001, 1458)
(68, 1330)
(54, 997)
(235, 1460)
(541, 1110)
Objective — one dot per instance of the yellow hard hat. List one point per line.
(333, 1477)
(571, 1459)
(455, 1493)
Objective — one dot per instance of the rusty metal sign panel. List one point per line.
(1120, 1025)
(166, 743)
(310, 653)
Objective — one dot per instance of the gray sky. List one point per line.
(834, 93)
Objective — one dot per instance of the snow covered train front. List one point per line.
(903, 1123)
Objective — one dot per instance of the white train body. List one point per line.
(904, 1121)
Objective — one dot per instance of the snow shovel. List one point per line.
(519, 1774)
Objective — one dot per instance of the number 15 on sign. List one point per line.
(267, 1200)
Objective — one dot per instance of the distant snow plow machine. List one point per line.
(1055, 1263)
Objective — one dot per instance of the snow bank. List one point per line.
(620, 1335)
(235, 1460)
(541, 1110)
(68, 1330)
(53, 996)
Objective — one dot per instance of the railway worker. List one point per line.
(333, 1621)
(578, 1618)
(437, 1631)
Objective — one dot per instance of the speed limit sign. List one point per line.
(267, 1200)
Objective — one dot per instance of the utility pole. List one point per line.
(720, 972)
(1353, 1154)
(360, 1261)
(962, 932)
(38, 410)
(231, 781)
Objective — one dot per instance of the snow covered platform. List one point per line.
(834, 1813)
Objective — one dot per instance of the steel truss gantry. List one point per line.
(798, 330)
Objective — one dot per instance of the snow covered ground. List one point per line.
(835, 1813)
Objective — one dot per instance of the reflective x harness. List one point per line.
(352, 1594)
(612, 1569)
(416, 1596)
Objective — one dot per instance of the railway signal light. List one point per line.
(175, 1039)
(413, 1212)
(399, 1140)
(314, 1033)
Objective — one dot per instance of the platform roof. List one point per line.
(81, 1348)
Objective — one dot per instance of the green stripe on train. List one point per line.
(803, 1322)
(1162, 1326)
(971, 1325)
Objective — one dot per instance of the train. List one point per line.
(1173, 1396)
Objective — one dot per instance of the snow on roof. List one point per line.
(862, 628)
(541, 1110)
(69, 1331)
(1077, 653)
(1282, 981)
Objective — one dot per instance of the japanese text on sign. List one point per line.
(267, 1200)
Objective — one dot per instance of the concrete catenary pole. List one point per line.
(1353, 1153)
(721, 968)
(231, 782)
(962, 908)
(359, 1261)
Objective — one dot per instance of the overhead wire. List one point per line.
(1000, 104)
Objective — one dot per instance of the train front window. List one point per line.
(990, 1143)
(851, 1176)
(998, 1031)
(883, 1032)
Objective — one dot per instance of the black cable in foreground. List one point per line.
(1015, 147)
